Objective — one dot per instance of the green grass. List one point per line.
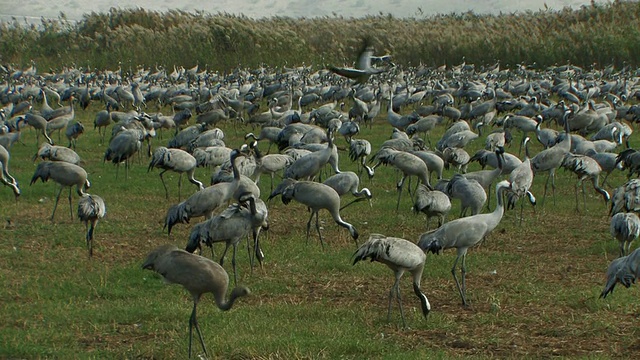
(533, 288)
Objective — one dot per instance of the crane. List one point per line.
(462, 234)
(198, 275)
(399, 255)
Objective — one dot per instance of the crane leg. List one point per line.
(193, 322)
(577, 201)
(455, 278)
(399, 186)
(179, 186)
(55, 205)
(70, 206)
(584, 195)
(166, 192)
(391, 294)
(318, 229)
(399, 299)
(233, 265)
(309, 226)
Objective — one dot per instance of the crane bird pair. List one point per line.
(196, 274)
(464, 233)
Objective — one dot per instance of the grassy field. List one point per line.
(533, 288)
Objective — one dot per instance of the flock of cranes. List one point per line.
(308, 154)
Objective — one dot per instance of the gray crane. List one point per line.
(431, 203)
(408, 164)
(315, 196)
(462, 234)
(121, 148)
(196, 274)
(489, 158)
(59, 121)
(73, 132)
(625, 227)
(211, 156)
(37, 122)
(399, 255)
(551, 159)
(235, 223)
(270, 164)
(205, 201)
(424, 125)
(435, 163)
(5, 177)
(471, 194)
(310, 165)
(176, 160)
(456, 157)
(66, 175)
(586, 168)
(101, 121)
(91, 209)
(363, 70)
(626, 198)
(486, 177)
(607, 162)
(624, 270)
(57, 153)
(521, 179)
(269, 133)
(547, 137)
(348, 182)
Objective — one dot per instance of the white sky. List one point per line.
(74, 9)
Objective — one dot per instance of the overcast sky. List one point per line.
(74, 9)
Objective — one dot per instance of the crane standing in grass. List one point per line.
(65, 174)
(464, 233)
(315, 196)
(625, 227)
(91, 208)
(399, 255)
(176, 160)
(198, 275)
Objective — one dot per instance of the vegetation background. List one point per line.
(599, 34)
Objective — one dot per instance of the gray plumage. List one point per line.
(316, 197)
(176, 160)
(399, 255)
(235, 223)
(462, 234)
(5, 177)
(310, 165)
(205, 201)
(91, 209)
(433, 203)
(66, 175)
(348, 182)
(37, 122)
(434, 162)
(408, 164)
(607, 162)
(185, 136)
(486, 177)
(585, 168)
(521, 179)
(626, 198)
(625, 227)
(121, 148)
(57, 153)
(624, 270)
(73, 132)
(211, 156)
(551, 159)
(360, 149)
(196, 274)
(489, 158)
(363, 70)
(456, 157)
(471, 194)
